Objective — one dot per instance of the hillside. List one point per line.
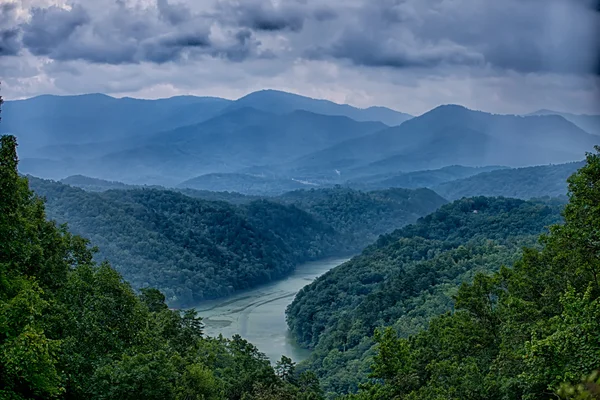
(243, 183)
(94, 184)
(523, 183)
(360, 217)
(192, 249)
(526, 332)
(453, 135)
(405, 278)
(70, 328)
(100, 185)
(416, 179)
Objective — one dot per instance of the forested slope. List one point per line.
(362, 216)
(194, 249)
(527, 332)
(72, 329)
(406, 278)
(191, 249)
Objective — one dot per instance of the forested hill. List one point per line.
(407, 277)
(362, 216)
(523, 183)
(527, 332)
(194, 249)
(71, 329)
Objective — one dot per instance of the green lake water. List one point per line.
(258, 315)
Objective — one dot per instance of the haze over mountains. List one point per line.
(589, 123)
(269, 142)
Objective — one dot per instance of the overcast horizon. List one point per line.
(512, 57)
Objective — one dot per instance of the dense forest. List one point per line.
(526, 332)
(194, 249)
(406, 278)
(362, 216)
(73, 329)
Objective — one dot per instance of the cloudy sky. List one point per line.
(508, 56)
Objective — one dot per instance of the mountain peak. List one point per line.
(279, 102)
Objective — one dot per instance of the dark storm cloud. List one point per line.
(263, 15)
(534, 36)
(51, 26)
(10, 42)
(364, 48)
(525, 36)
(324, 14)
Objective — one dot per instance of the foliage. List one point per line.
(406, 278)
(360, 217)
(526, 332)
(194, 249)
(73, 329)
(190, 249)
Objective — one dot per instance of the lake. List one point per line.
(258, 315)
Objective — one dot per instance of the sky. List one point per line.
(508, 56)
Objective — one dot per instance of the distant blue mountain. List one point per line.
(283, 103)
(51, 120)
(274, 134)
(454, 135)
(589, 123)
(225, 143)
(524, 183)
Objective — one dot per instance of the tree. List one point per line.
(286, 369)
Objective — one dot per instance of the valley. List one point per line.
(297, 247)
(299, 200)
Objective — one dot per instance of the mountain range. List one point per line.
(273, 141)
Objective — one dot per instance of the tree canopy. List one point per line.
(74, 329)
(526, 332)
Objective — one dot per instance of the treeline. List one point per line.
(73, 329)
(405, 279)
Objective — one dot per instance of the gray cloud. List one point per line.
(533, 36)
(263, 15)
(51, 26)
(173, 13)
(122, 34)
(348, 49)
(363, 48)
(10, 42)
(525, 36)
